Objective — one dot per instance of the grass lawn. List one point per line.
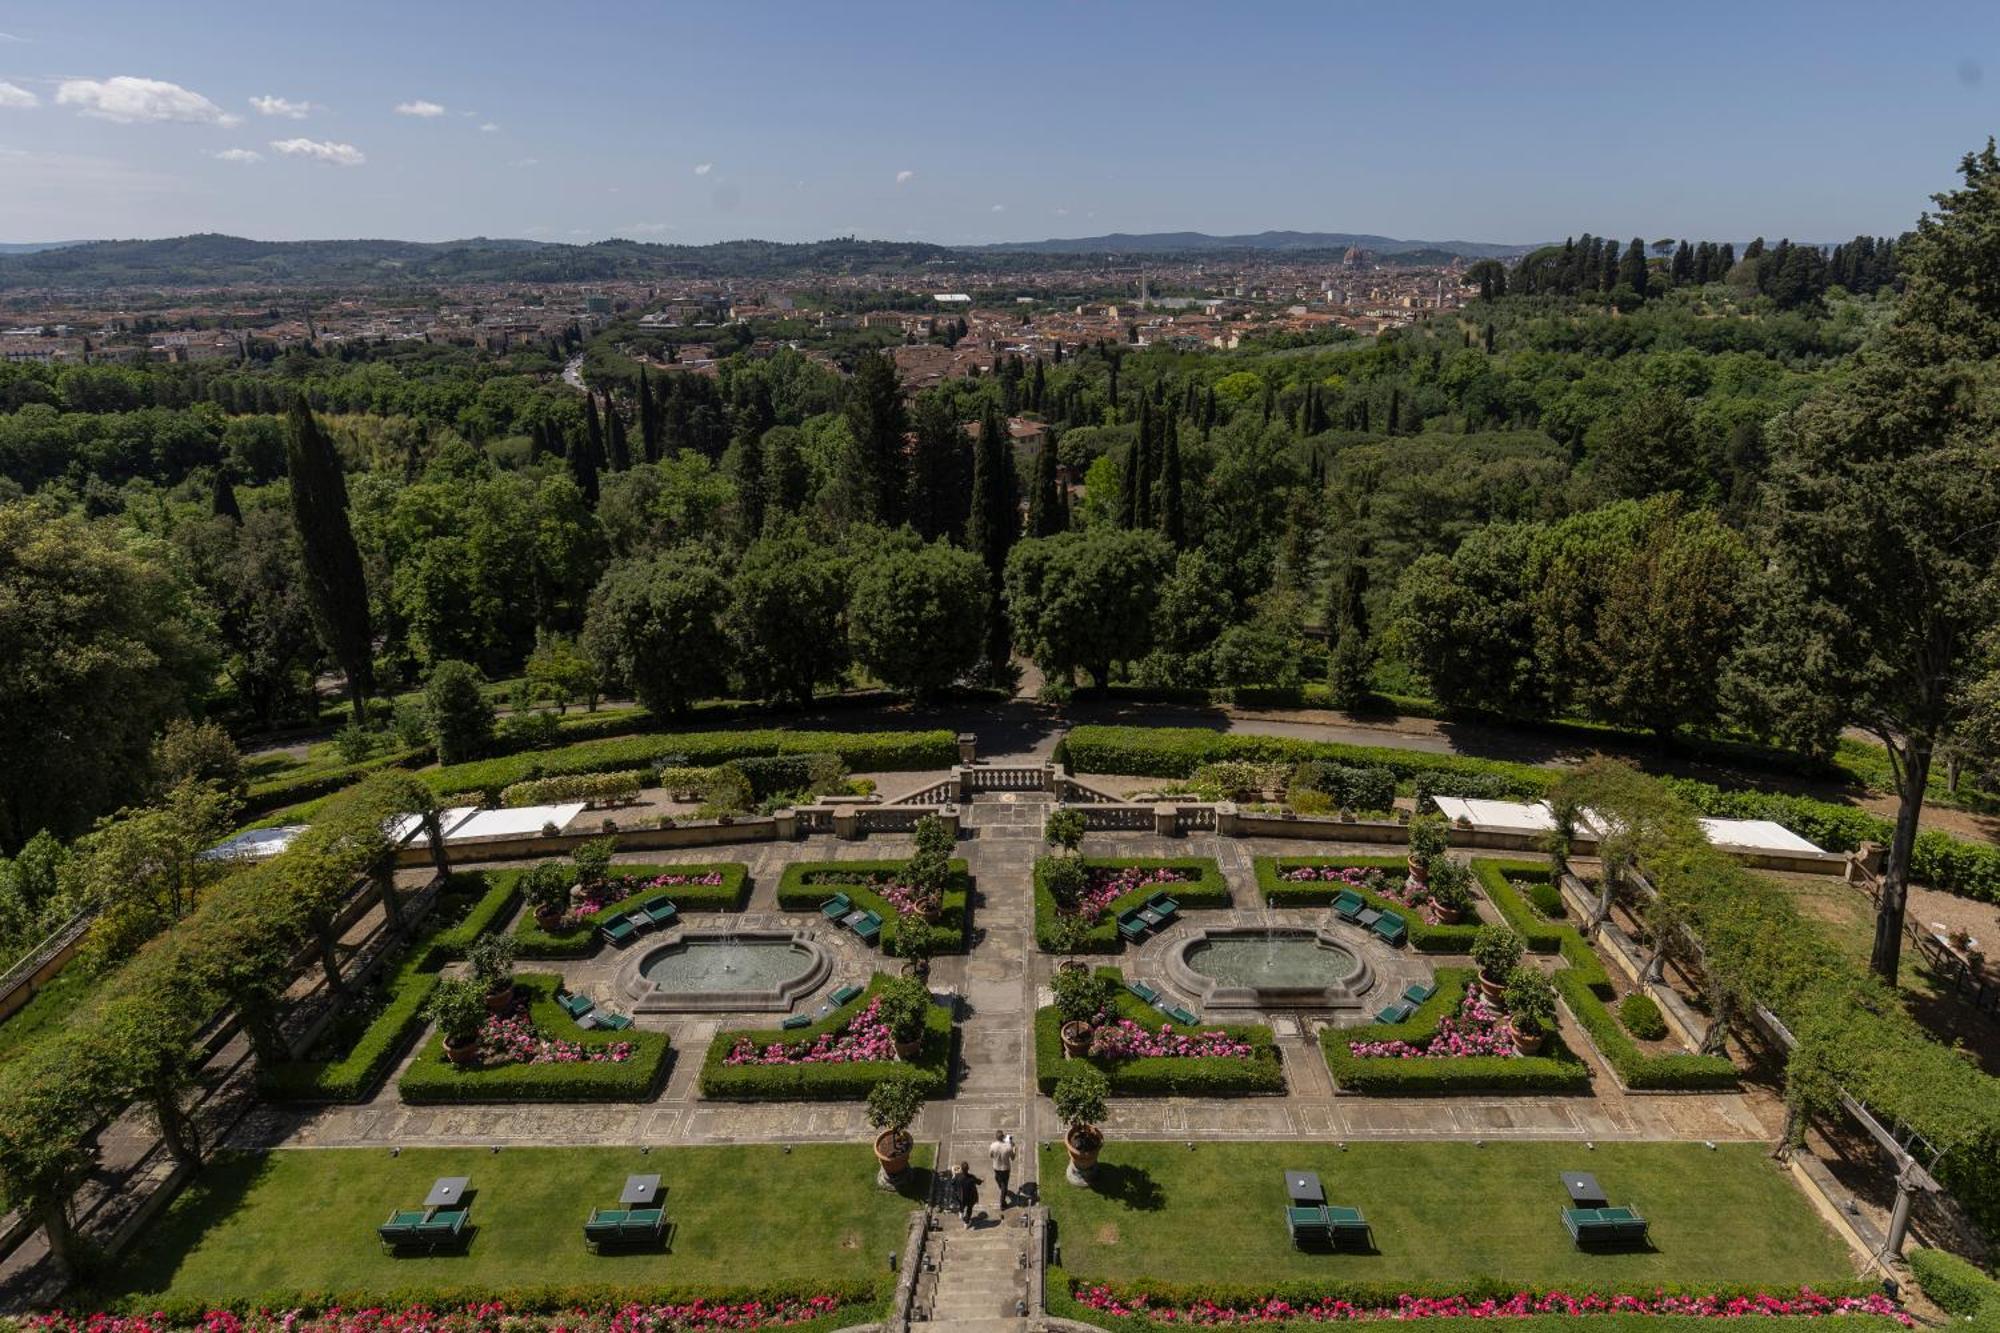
(45, 1010)
(1442, 1213)
(304, 1220)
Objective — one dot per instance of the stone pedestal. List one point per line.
(786, 824)
(1228, 823)
(1164, 817)
(847, 822)
(968, 747)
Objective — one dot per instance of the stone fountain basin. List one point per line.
(801, 966)
(1345, 978)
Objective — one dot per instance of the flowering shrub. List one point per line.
(606, 892)
(1478, 1028)
(1123, 1039)
(863, 1037)
(513, 1038)
(1107, 884)
(1807, 1303)
(483, 1317)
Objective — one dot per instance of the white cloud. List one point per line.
(283, 106)
(13, 95)
(703, 168)
(905, 177)
(11, 37)
(647, 228)
(421, 108)
(489, 128)
(526, 162)
(999, 208)
(1062, 212)
(131, 101)
(242, 155)
(321, 150)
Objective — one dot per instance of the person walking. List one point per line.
(965, 1191)
(1001, 1151)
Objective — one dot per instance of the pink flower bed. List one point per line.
(863, 1037)
(1805, 1304)
(1478, 1028)
(486, 1317)
(514, 1039)
(1372, 878)
(1107, 884)
(620, 887)
(1125, 1040)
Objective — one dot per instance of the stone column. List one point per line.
(964, 775)
(1163, 820)
(847, 822)
(785, 824)
(1228, 823)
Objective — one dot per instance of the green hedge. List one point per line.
(1207, 891)
(1541, 934)
(1556, 1069)
(355, 1076)
(1424, 937)
(1176, 752)
(1678, 1072)
(432, 1079)
(1957, 1287)
(857, 879)
(583, 941)
(1160, 1076)
(858, 1300)
(862, 751)
(930, 1070)
(495, 895)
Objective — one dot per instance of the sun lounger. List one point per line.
(1391, 927)
(1308, 1225)
(797, 1021)
(1347, 904)
(658, 912)
(1178, 1014)
(1145, 993)
(1347, 1224)
(623, 1226)
(846, 995)
(867, 925)
(575, 1005)
(610, 1022)
(619, 930)
(836, 907)
(1604, 1227)
(1418, 992)
(416, 1229)
(1398, 1012)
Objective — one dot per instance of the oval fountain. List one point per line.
(1270, 967)
(718, 971)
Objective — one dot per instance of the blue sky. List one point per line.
(956, 123)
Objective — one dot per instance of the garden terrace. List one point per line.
(806, 884)
(1555, 1069)
(297, 1227)
(824, 1080)
(1447, 1218)
(1163, 1076)
(1199, 886)
(1424, 937)
(634, 1076)
(628, 885)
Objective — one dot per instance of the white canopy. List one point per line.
(255, 844)
(517, 823)
(410, 828)
(1512, 816)
(1743, 835)
(1757, 835)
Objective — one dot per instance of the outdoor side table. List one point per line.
(1584, 1191)
(1303, 1188)
(445, 1191)
(1367, 917)
(639, 1191)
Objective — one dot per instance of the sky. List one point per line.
(970, 123)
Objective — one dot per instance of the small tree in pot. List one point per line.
(1081, 996)
(592, 861)
(492, 960)
(1498, 952)
(1429, 837)
(1081, 1097)
(915, 941)
(902, 1003)
(928, 871)
(1450, 891)
(1531, 1008)
(1064, 829)
(546, 887)
(893, 1106)
(458, 1007)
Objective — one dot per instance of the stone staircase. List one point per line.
(981, 1283)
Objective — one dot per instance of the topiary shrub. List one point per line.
(1546, 898)
(1642, 1017)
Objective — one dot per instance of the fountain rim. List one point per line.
(647, 996)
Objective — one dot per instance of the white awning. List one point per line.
(1757, 835)
(255, 844)
(523, 822)
(409, 829)
(1511, 816)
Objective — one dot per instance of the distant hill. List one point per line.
(35, 247)
(210, 260)
(1181, 242)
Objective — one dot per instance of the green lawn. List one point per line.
(44, 1012)
(304, 1220)
(1442, 1213)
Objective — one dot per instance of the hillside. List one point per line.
(1180, 242)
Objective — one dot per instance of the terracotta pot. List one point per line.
(1490, 988)
(1076, 1038)
(549, 918)
(461, 1053)
(500, 999)
(906, 1050)
(892, 1152)
(1420, 872)
(1525, 1044)
(1083, 1143)
(1441, 915)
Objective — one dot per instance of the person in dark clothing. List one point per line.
(965, 1191)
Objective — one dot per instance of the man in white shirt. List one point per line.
(1001, 1151)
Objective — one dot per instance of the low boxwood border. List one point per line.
(954, 910)
(1424, 937)
(1540, 934)
(1206, 892)
(1556, 1069)
(431, 1079)
(500, 894)
(930, 1070)
(1157, 1076)
(1637, 1070)
(583, 941)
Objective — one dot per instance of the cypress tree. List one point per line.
(649, 419)
(583, 466)
(336, 591)
(1632, 271)
(1173, 521)
(620, 453)
(994, 524)
(222, 498)
(593, 431)
(1044, 505)
(876, 417)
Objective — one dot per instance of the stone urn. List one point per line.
(1076, 1039)
(1082, 1143)
(892, 1152)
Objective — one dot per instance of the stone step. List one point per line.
(974, 1325)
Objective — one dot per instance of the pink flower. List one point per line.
(863, 1037)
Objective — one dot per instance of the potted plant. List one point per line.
(893, 1106)
(546, 887)
(1429, 836)
(1498, 952)
(1064, 829)
(902, 1003)
(915, 941)
(1080, 1097)
(1081, 995)
(458, 1007)
(492, 960)
(1531, 1008)
(1450, 891)
(592, 861)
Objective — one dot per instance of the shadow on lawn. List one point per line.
(212, 1197)
(1132, 1186)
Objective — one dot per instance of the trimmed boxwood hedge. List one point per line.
(432, 1079)
(1540, 934)
(356, 1075)
(807, 884)
(1161, 1076)
(862, 751)
(1424, 937)
(1957, 1287)
(1556, 1069)
(1208, 890)
(499, 892)
(583, 941)
(930, 1070)
(1678, 1072)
